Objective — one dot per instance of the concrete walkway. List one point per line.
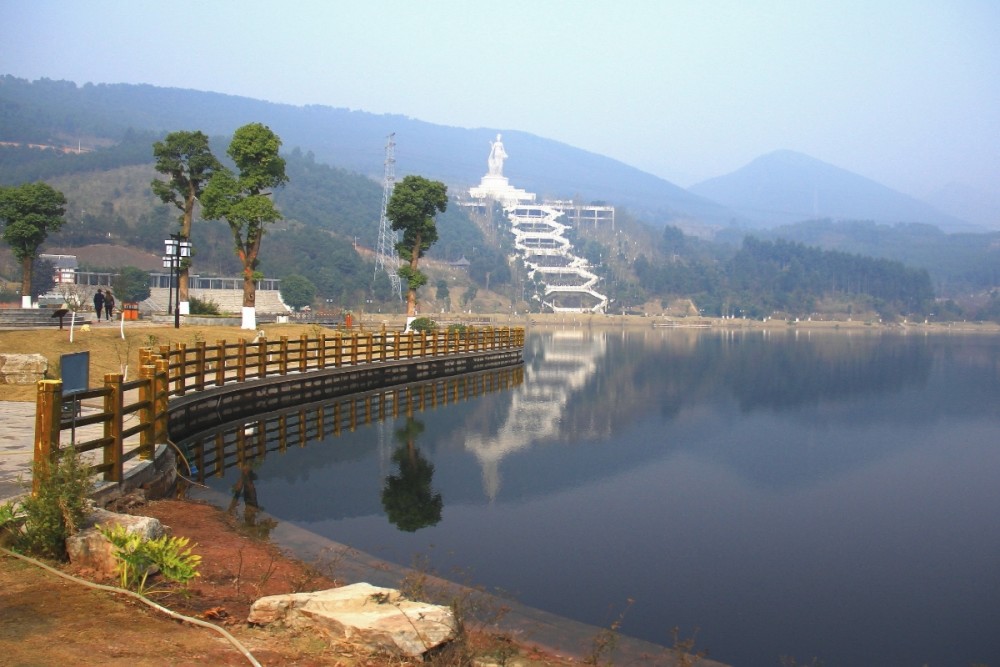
(17, 447)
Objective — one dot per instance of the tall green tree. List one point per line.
(297, 291)
(29, 212)
(188, 163)
(244, 200)
(414, 203)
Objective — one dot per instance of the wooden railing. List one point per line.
(175, 371)
(204, 366)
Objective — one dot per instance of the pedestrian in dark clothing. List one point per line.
(99, 303)
(109, 305)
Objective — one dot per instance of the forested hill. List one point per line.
(48, 111)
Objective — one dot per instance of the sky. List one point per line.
(905, 92)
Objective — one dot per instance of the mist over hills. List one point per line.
(785, 187)
(355, 140)
(779, 188)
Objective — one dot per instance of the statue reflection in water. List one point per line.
(258, 524)
(408, 499)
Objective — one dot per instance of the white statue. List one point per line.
(497, 156)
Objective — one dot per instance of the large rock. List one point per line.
(380, 618)
(89, 549)
(22, 368)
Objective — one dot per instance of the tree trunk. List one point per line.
(411, 303)
(183, 272)
(26, 264)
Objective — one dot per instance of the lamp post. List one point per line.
(178, 248)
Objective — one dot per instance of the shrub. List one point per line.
(58, 509)
(423, 324)
(198, 306)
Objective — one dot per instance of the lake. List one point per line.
(774, 493)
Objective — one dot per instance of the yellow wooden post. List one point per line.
(303, 352)
(147, 413)
(283, 356)
(113, 404)
(220, 363)
(322, 351)
(180, 380)
(199, 362)
(48, 412)
(262, 358)
(161, 397)
(241, 361)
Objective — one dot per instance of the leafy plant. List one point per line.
(423, 324)
(58, 509)
(11, 519)
(138, 558)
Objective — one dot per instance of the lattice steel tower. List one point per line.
(386, 257)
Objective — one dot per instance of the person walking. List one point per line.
(109, 305)
(99, 303)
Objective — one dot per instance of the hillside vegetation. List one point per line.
(331, 214)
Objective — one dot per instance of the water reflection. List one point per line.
(559, 365)
(788, 493)
(244, 446)
(409, 501)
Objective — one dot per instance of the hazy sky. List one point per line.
(906, 92)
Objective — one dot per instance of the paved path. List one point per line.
(17, 447)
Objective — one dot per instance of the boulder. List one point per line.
(22, 368)
(89, 549)
(379, 618)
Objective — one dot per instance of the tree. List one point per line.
(28, 213)
(414, 203)
(297, 291)
(131, 284)
(244, 201)
(188, 163)
(43, 276)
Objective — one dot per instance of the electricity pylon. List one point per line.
(386, 256)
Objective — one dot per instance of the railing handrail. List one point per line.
(174, 371)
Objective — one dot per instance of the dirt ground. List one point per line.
(47, 620)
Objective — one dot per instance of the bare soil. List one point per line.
(47, 620)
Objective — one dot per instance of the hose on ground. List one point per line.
(121, 591)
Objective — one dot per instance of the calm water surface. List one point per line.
(785, 494)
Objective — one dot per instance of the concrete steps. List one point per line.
(37, 317)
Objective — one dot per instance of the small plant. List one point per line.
(604, 643)
(683, 649)
(152, 340)
(57, 510)
(11, 520)
(138, 558)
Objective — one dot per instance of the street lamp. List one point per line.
(178, 248)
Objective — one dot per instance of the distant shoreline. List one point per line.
(589, 320)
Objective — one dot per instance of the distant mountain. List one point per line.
(978, 207)
(784, 187)
(352, 140)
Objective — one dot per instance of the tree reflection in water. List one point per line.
(409, 501)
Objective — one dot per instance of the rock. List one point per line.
(380, 618)
(22, 368)
(89, 549)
